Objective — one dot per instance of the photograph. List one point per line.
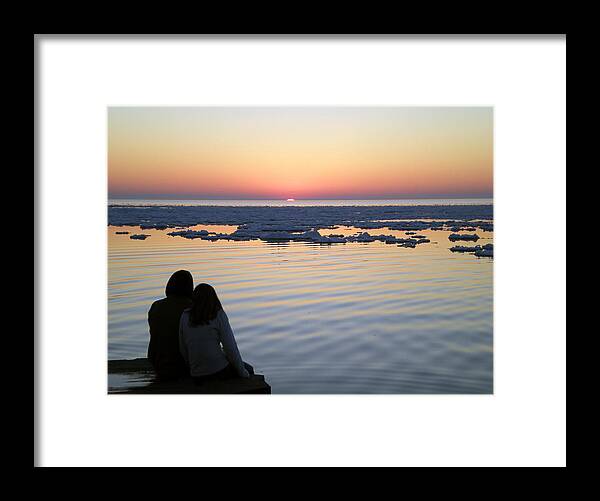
(300, 250)
(318, 250)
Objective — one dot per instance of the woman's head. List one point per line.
(205, 305)
(181, 283)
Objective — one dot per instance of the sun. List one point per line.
(291, 200)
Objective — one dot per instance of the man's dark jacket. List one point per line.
(163, 350)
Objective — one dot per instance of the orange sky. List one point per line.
(279, 153)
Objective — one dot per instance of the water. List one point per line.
(350, 318)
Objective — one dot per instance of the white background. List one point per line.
(523, 423)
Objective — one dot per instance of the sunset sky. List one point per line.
(281, 153)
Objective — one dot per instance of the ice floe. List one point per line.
(410, 243)
(453, 237)
(484, 253)
(361, 237)
(139, 236)
(463, 248)
(189, 233)
(486, 250)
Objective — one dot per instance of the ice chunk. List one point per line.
(154, 226)
(411, 244)
(312, 235)
(485, 253)
(480, 251)
(462, 248)
(188, 233)
(277, 235)
(330, 240)
(361, 237)
(468, 237)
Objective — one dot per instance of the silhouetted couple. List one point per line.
(190, 334)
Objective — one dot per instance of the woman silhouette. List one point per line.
(163, 320)
(206, 340)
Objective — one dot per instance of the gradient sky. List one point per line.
(280, 153)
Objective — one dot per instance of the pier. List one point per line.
(141, 380)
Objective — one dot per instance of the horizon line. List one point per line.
(415, 197)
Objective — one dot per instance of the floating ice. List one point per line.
(299, 218)
(122, 232)
(361, 237)
(188, 233)
(332, 239)
(408, 243)
(302, 224)
(486, 250)
(462, 248)
(153, 226)
(310, 235)
(455, 236)
(315, 236)
(278, 235)
(406, 225)
(139, 236)
(329, 240)
(484, 253)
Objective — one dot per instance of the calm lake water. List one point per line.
(348, 318)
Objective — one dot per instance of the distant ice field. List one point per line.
(292, 216)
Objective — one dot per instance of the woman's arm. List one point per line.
(230, 346)
(182, 345)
